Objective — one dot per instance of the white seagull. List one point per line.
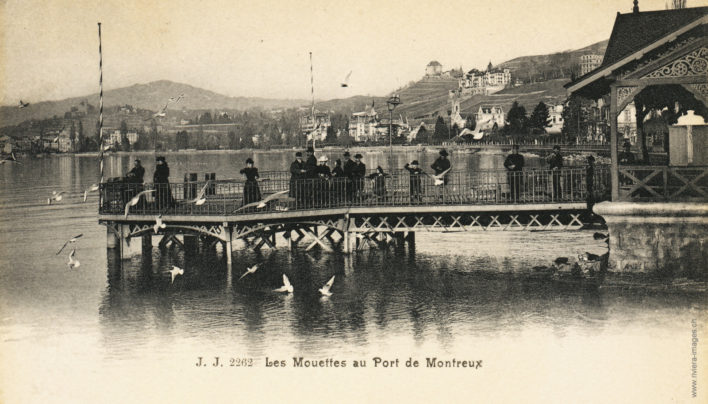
(287, 286)
(71, 240)
(173, 99)
(56, 196)
(174, 272)
(439, 178)
(11, 159)
(325, 289)
(92, 188)
(158, 224)
(249, 271)
(282, 195)
(201, 196)
(346, 80)
(135, 200)
(73, 262)
(23, 104)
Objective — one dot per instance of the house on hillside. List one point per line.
(362, 125)
(488, 82)
(555, 118)
(315, 127)
(433, 69)
(489, 115)
(589, 63)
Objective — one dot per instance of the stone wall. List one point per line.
(665, 239)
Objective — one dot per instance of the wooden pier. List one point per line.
(340, 214)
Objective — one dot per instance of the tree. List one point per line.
(81, 137)
(72, 136)
(331, 135)
(539, 119)
(124, 144)
(441, 132)
(182, 140)
(516, 120)
(422, 136)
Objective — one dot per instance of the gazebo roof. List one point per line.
(637, 33)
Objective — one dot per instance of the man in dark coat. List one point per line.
(298, 172)
(339, 182)
(163, 193)
(441, 165)
(311, 163)
(514, 164)
(349, 167)
(134, 181)
(414, 181)
(555, 163)
(358, 173)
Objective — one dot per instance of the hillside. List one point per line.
(150, 96)
(553, 65)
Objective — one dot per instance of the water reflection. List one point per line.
(378, 295)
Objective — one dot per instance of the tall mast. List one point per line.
(312, 109)
(100, 111)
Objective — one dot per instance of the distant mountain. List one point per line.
(150, 96)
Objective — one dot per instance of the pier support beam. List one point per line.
(191, 244)
(228, 247)
(112, 239)
(147, 244)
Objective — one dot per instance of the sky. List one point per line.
(49, 49)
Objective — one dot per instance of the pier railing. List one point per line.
(226, 197)
(663, 183)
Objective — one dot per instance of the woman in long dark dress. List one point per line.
(251, 191)
(161, 179)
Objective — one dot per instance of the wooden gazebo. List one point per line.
(659, 61)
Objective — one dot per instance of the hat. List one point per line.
(358, 156)
(323, 158)
(160, 158)
(414, 162)
(310, 150)
(249, 160)
(298, 154)
(443, 152)
(556, 147)
(346, 154)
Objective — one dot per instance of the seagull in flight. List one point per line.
(282, 195)
(201, 196)
(135, 200)
(73, 262)
(346, 80)
(287, 286)
(23, 104)
(325, 289)
(92, 188)
(56, 196)
(176, 99)
(249, 271)
(158, 224)
(174, 272)
(11, 159)
(439, 178)
(71, 240)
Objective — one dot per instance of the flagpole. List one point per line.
(100, 113)
(312, 93)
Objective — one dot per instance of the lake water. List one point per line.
(117, 330)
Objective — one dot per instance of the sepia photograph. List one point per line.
(374, 201)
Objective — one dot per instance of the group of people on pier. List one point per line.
(313, 183)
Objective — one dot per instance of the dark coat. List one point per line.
(136, 174)
(337, 172)
(251, 191)
(296, 177)
(440, 165)
(163, 193)
(379, 183)
(414, 181)
(349, 166)
(311, 166)
(515, 159)
(555, 161)
(625, 158)
(161, 175)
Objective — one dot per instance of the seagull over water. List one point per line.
(92, 188)
(287, 286)
(249, 271)
(158, 224)
(174, 272)
(135, 200)
(56, 196)
(325, 289)
(71, 240)
(73, 262)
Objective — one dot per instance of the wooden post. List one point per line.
(411, 240)
(147, 244)
(112, 239)
(614, 168)
(228, 244)
(346, 247)
(191, 244)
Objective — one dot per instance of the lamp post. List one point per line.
(391, 104)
